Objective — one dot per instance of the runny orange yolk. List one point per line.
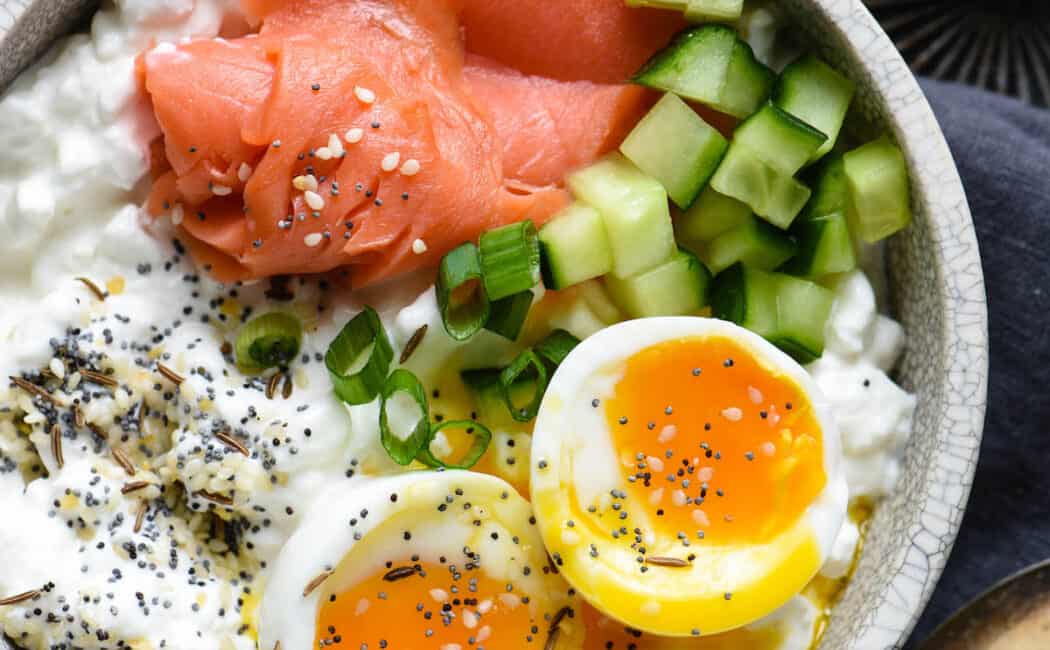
(715, 443)
(604, 633)
(422, 606)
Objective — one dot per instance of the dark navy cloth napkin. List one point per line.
(1002, 148)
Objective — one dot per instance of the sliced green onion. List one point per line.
(527, 373)
(556, 346)
(508, 315)
(460, 292)
(510, 259)
(269, 340)
(358, 359)
(404, 449)
(482, 437)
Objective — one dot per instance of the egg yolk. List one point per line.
(714, 443)
(440, 606)
(604, 633)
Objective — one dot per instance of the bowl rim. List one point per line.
(938, 187)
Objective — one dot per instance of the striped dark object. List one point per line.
(1000, 45)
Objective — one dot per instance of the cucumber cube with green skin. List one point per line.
(634, 209)
(881, 197)
(677, 147)
(789, 312)
(830, 188)
(710, 64)
(713, 10)
(675, 288)
(574, 247)
(748, 83)
(817, 94)
(755, 243)
(779, 138)
(825, 246)
(711, 215)
(773, 195)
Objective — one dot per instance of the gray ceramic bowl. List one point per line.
(936, 289)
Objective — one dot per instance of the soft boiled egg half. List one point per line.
(686, 475)
(444, 560)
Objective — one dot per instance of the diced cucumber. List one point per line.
(755, 243)
(634, 209)
(779, 138)
(713, 10)
(710, 64)
(677, 147)
(830, 189)
(803, 309)
(773, 195)
(748, 83)
(789, 312)
(711, 215)
(878, 181)
(676, 287)
(574, 247)
(747, 297)
(817, 94)
(824, 246)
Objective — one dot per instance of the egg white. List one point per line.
(574, 464)
(325, 542)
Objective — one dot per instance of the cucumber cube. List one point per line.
(789, 312)
(824, 246)
(779, 138)
(755, 243)
(748, 83)
(634, 209)
(713, 10)
(817, 94)
(675, 288)
(711, 215)
(830, 189)
(773, 195)
(677, 147)
(878, 181)
(574, 247)
(695, 65)
(803, 309)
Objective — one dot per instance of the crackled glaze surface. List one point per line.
(937, 291)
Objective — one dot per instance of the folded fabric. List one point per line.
(1002, 148)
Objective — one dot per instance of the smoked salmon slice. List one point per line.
(361, 134)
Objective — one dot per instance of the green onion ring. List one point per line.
(463, 316)
(482, 438)
(556, 346)
(404, 450)
(527, 363)
(510, 259)
(269, 340)
(509, 314)
(358, 382)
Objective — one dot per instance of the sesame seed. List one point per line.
(391, 161)
(733, 414)
(313, 239)
(355, 135)
(419, 247)
(411, 167)
(324, 153)
(177, 214)
(364, 95)
(335, 145)
(221, 190)
(313, 199)
(244, 172)
(304, 183)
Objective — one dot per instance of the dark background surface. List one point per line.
(1002, 148)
